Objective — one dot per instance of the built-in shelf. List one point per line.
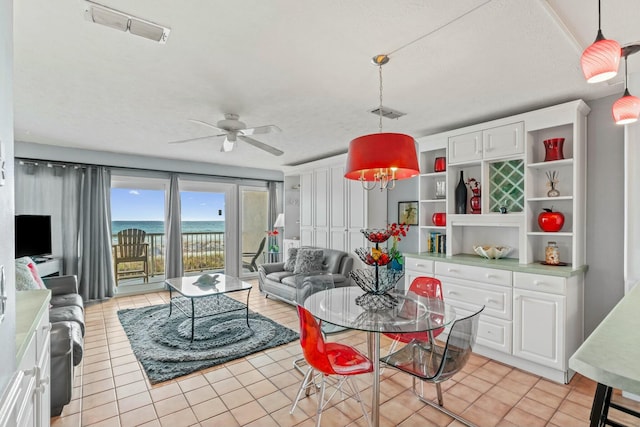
(549, 234)
(551, 164)
(549, 199)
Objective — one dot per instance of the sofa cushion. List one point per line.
(279, 275)
(290, 263)
(71, 313)
(67, 299)
(27, 277)
(308, 260)
(332, 261)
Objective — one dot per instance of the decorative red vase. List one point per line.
(553, 149)
(440, 164)
(475, 202)
(550, 221)
(439, 219)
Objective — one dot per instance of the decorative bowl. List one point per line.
(492, 252)
(375, 235)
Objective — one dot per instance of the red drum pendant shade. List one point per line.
(382, 154)
(601, 60)
(381, 157)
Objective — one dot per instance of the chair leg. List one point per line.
(356, 393)
(320, 402)
(439, 406)
(298, 363)
(305, 384)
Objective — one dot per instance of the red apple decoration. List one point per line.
(550, 221)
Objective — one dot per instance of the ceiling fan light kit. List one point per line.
(381, 158)
(600, 62)
(232, 128)
(121, 21)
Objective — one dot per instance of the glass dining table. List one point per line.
(413, 313)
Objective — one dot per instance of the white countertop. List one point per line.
(611, 354)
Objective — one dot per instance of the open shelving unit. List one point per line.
(507, 157)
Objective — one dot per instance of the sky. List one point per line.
(129, 204)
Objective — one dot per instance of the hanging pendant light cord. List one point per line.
(625, 73)
(599, 17)
(380, 109)
(440, 27)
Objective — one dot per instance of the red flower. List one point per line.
(398, 231)
(272, 233)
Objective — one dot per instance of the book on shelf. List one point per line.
(437, 242)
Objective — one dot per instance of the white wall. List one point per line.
(8, 326)
(604, 282)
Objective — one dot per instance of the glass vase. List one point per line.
(461, 196)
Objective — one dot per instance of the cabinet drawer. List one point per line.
(492, 333)
(419, 265)
(496, 299)
(475, 274)
(540, 283)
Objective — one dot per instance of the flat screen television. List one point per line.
(33, 235)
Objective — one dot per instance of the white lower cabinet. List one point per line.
(538, 320)
(531, 321)
(468, 287)
(27, 401)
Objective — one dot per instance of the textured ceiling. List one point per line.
(303, 66)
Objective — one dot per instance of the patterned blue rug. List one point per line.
(163, 344)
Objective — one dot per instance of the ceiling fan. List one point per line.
(232, 129)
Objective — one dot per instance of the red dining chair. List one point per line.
(328, 358)
(429, 287)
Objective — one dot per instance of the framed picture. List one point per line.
(408, 213)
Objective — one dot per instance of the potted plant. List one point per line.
(397, 232)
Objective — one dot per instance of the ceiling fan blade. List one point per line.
(261, 129)
(261, 145)
(182, 141)
(200, 122)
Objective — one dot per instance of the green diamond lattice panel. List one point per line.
(507, 186)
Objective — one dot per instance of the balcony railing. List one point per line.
(200, 252)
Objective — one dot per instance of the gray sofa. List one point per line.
(66, 315)
(275, 281)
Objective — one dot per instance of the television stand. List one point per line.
(48, 266)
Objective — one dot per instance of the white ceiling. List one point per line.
(303, 66)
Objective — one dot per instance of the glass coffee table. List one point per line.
(193, 287)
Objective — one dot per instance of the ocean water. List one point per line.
(158, 226)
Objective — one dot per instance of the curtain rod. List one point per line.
(50, 163)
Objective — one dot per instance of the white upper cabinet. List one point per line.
(465, 148)
(503, 141)
(492, 143)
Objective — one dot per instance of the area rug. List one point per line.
(162, 343)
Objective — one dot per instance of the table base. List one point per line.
(192, 312)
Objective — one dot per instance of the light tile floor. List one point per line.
(111, 388)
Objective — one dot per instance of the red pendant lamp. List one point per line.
(382, 158)
(626, 109)
(601, 60)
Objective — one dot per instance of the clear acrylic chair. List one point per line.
(329, 359)
(422, 286)
(435, 363)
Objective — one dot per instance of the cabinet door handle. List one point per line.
(420, 265)
(453, 293)
(478, 151)
(489, 145)
(452, 270)
(538, 283)
(491, 300)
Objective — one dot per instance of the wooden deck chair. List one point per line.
(131, 248)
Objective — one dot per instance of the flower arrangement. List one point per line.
(273, 240)
(397, 232)
(474, 185)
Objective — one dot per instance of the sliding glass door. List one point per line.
(254, 227)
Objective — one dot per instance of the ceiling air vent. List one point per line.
(388, 113)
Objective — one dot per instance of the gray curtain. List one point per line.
(55, 191)
(173, 256)
(96, 280)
